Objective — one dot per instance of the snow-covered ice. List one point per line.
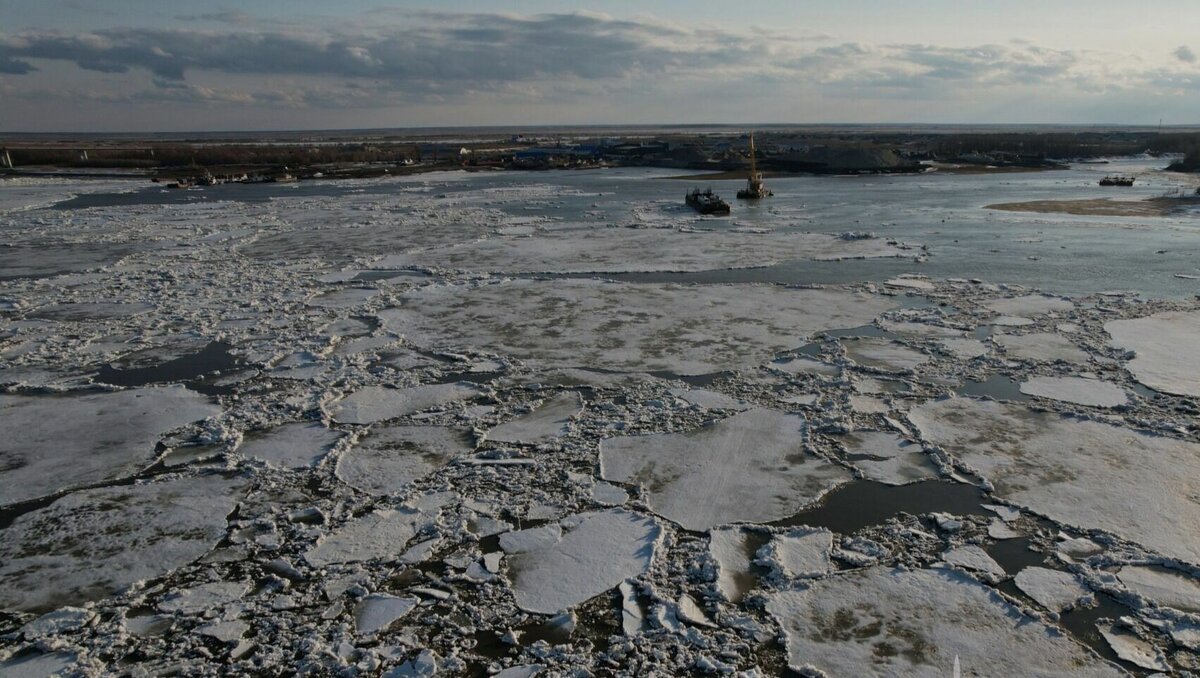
(802, 552)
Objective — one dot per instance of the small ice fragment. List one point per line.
(688, 611)
(609, 494)
(632, 619)
(998, 529)
(425, 665)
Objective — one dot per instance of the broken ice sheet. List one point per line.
(889, 458)
(50, 443)
(388, 458)
(882, 621)
(1166, 350)
(550, 420)
(640, 327)
(1029, 305)
(93, 543)
(1077, 390)
(595, 250)
(291, 446)
(372, 404)
(592, 553)
(1084, 473)
(751, 467)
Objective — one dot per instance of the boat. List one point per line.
(1117, 180)
(706, 202)
(755, 189)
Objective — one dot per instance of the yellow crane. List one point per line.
(755, 188)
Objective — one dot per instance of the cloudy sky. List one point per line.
(163, 65)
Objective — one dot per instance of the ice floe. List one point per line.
(882, 621)
(889, 458)
(50, 443)
(1078, 390)
(373, 404)
(594, 553)
(298, 445)
(750, 467)
(1029, 305)
(883, 354)
(1165, 587)
(548, 421)
(1041, 346)
(388, 458)
(1083, 473)
(1054, 590)
(380, 534)
(94, 543)
(1166, 352)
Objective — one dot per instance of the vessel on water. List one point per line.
(755, 188)
(706, 202)
(1115, 180)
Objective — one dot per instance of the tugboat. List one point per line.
(706, 202)
(755, 189)
(1116, 180)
